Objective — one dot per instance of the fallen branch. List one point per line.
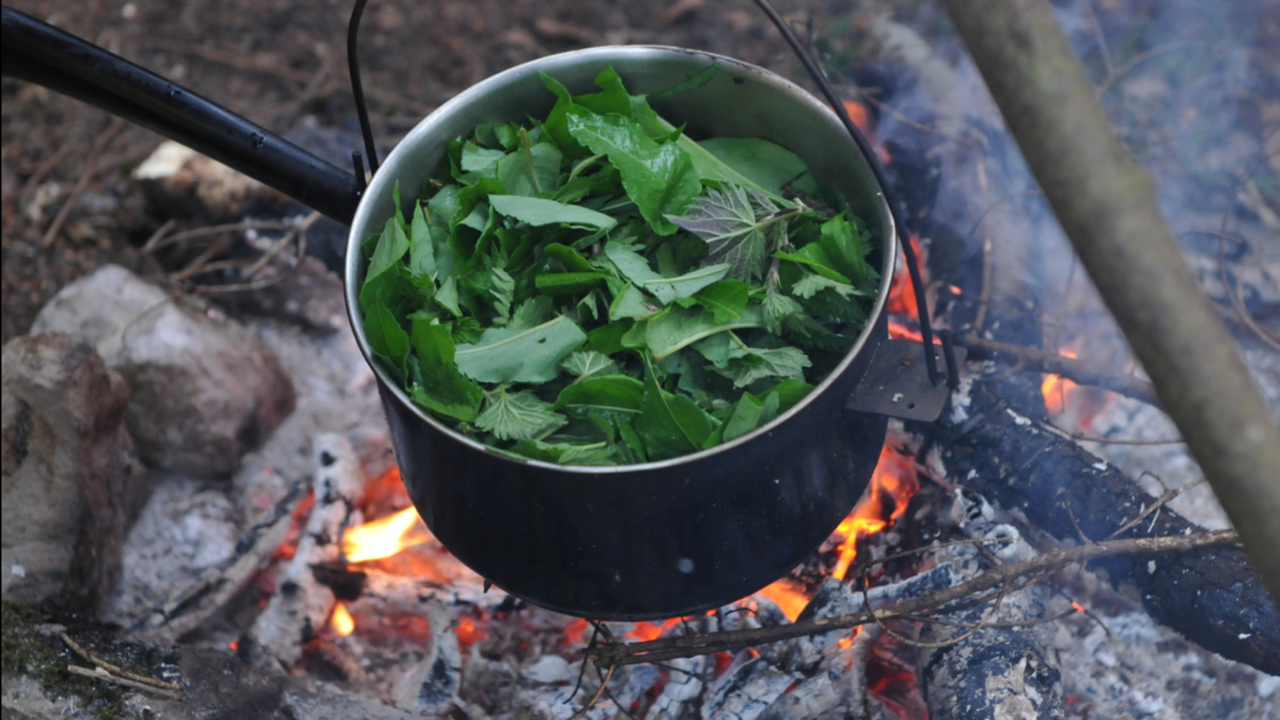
(1076, 370)
(611, 654)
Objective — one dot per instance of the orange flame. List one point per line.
(384, 537)
(341, 620)
(1055, 388)
(789, 596)
(892, 485)
(902, 295)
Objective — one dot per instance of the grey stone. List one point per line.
(71, 483)
(205, 389)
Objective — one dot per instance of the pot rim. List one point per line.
(603, 55)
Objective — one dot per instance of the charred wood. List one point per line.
(977, 671)
(1211, 595)
(302, 604)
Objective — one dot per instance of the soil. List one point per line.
(68, 203)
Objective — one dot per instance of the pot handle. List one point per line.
(39, 53)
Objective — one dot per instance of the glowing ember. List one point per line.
(1077, 606)
(892, 485)
(789, 596)
(341, 621)
(469, 632)
(384, 537)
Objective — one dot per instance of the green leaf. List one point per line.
(534, 311)
(387, 254)
(386, 338)
(677, 327)
(768, 164)
(744, 418)
(612, 98)
(777, 308)
(503, 291)
(422, 254)
(789, 392)
(442, 390)
(565, 453)
(538, 212)
(476, 159)
(631, 303)
(671, 289)
(814, 257)
(732, 222)
(531, 170)
(518, 415)
(725, 299)
(810, 284)
(847, 247)
(447, 296)
(747, 366)
(531, 355)
(659, 179)
(607, 339)
(584, 364)
(607, 396)
(671, 425)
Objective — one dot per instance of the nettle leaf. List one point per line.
(534, 311)
(847, 244)
(532, 170)
(810, 284)
(531, 355)
(538, 212)
(518, 415)
(747, 366)
(777, 308)
(659, 178)
(503, 291)
(733, 222)
(585, 364)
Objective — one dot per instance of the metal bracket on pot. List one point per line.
(897, 384)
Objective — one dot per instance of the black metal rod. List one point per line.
(36, 52)
(357, 87)
(869, 152)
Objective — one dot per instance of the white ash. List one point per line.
(187, 526)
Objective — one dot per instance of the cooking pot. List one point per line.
(657, 539)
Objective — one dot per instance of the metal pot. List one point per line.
(643, 541)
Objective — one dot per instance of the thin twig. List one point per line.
(1160, 502)
(101, 674)
(87, 172)
(595, 698)
(108, 667)
(708, 643)
(1074, 369)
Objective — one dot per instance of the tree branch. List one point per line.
(1107, 205)
(613, 654)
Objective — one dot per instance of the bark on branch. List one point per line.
(1004, 576)
(1107, 206)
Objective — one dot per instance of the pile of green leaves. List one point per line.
(596, 288)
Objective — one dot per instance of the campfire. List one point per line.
(1046, 548)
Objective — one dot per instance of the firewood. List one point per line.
(1211, 595)
(302, 605)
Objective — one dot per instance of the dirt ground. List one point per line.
(69, 204)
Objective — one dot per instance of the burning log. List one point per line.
(432, 685)
(303, 604)
(1210, 595)
(1001, 667)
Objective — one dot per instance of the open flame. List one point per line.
(893, 484)
(385, 537)
(1055, 388)
(341, 620)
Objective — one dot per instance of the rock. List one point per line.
(178, 181)
(205, 390)
(71, 483)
